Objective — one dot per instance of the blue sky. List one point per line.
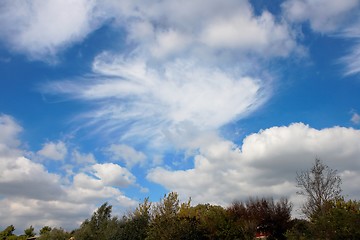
(216, 100)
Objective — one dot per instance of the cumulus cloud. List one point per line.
(53, 150)
(9, 130)
(83, 158)
(209, 26)
(264, 165)
(127, 154)
(113, 174)
(31, 195)
(41, 28)
(323, 15)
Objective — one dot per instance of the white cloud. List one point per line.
(113, 174)
(355, 119)
(207, 27)
(127, 154)
(9, 130)
(324, 15)
(23, 212)
(332, 17)
(31, 195)
(352, 59)
(82, 158)
(54, 150)
(22, 177)
(41, 28)
(264, 165)
(145, 100)
(248, 33)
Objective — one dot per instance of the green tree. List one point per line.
(136, 225)
(300, 230)
(54, 234)
(319, 185)
(45, 229)
(29, 232)
(100, 226)
(164, 220)
(7, 232)
(341, 221)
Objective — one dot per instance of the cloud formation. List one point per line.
(41, 29)
(355, 118)
(147, 100)
(264, 165)
(126, 154)
(31, 195)
(53, 150)
(323, 15)
(331, 17)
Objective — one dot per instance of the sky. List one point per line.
(115, 101)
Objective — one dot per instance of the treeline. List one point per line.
(170, 219)
(329, 216)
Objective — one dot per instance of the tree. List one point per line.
(165, 214)
(7, 232)
(53, 234)
(100, 226)
(263, 215)
(319, 185)
(300, 230)
(29, 232)
(136, 225)
(44, 230)
(341, 221)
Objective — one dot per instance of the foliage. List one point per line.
(165, 214)
(100, 226)
(45, 230)
(46, 233)
(29, 232)
(7, 232)
(320, 185)
(300, 230)
(262, 215)
(171, 219)
(135, 226)
(341, 221)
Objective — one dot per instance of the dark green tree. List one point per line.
(7, 232)
(135, 226)
(29, 232)
(341, 221)
(54, 234)
(300, 229)
(165, 214)
(100, 226)
(45, 229)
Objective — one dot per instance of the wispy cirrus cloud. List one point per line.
(180, 71)
(147, 100)
(333, 18)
